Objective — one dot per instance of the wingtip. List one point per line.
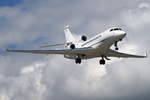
(146, 55)
(8, 50)
(66, 27)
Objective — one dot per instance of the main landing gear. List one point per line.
(102, 61)
(78, 60)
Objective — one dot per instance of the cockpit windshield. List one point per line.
(115, 29)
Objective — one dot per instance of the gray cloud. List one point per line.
(37, 77)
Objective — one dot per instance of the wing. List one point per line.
(62, 51)
(112, 53)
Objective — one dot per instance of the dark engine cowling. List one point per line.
(84, 38)
(72, 46)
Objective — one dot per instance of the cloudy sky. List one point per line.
(27, 24)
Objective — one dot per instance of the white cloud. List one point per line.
(4, 97)
(143, 5)
(26, 86)
(89, 81)
(137, 17)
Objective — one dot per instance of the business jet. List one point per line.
(97, 46)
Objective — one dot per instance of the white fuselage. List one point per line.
(100, 43)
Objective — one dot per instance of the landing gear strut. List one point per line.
(116, 46)
(102, 61)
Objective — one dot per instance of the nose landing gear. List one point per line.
(116, 45)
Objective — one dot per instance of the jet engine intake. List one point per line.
(72, 46)
(83, 38)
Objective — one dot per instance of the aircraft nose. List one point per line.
(122, 34)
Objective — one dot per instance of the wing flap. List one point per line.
(112, 53)
(58, 44)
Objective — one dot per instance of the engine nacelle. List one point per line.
(72, 46)
(84, 38)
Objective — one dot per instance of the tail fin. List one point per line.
(68, 34)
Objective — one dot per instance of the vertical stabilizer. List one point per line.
(68, 34)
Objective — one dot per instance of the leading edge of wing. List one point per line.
(112, 53)
(60, 51)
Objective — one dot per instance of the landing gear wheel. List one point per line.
(120, 39)
(116, 48)
(102, 62)
(78, 61)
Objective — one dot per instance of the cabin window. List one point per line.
(111, 30)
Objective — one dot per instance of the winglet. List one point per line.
(7, 50)
(146, 56)
(66, 27)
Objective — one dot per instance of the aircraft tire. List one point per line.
(102, 62)
(78, 61)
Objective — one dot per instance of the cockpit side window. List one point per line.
(115, 29)
(111, 30)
